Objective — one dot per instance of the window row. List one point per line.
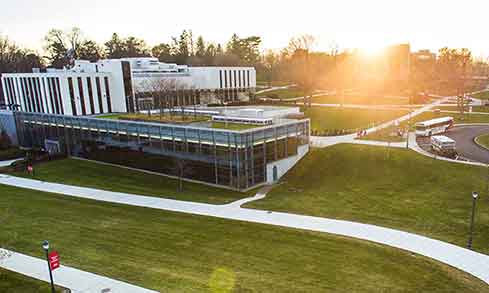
(234, 79)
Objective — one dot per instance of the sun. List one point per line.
(371, 49)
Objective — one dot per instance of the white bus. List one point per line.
(443, 144)
(435, 126)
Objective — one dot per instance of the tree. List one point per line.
(114, 48)
(16, 59)
(453, 65)
(164, 52)
(63, 47)
(247, 50)
(201, 50)
(134, 47)
(270, 61)
(89, 50)
(300, 48)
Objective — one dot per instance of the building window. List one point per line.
(60, 97)
(235, 83)
(107, 93)
(51, 96)
(239, 79)
(82, 96)
(55, 95)
(220, 78)
(248, 78)
(37, 85)
(72, 96)
(99, 94)
(32, 96)
(225, 79)
(90, 95)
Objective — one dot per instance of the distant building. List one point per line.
(398, 62)
(212, 84)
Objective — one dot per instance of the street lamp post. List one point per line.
(475, 195)
(45, 246)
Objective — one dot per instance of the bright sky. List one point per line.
(350, 23)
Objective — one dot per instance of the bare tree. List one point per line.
(300, 48)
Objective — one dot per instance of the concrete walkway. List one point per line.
(474, 263)
(76, 280)
(322, 142)
(9, 162)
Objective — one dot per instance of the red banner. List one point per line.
(54, 260)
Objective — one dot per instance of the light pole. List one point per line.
(45, 246)
(475, 195)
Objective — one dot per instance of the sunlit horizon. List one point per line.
(350, 24)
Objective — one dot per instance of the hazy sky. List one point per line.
(351, 23)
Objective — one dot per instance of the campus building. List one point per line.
(57, 112)
(86, 89)
(117, 86)
(238, 160)
(204, 85)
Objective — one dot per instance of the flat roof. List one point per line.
(434, 121)
(442, 138)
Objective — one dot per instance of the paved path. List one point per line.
(474, 263)
(323, 142)
(9, 162)
(76, 280)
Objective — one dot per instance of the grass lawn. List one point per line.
(324, 118)
(388, 134)
(11, 153)
(482, 96)
(11, 282)
(361, 100)
(484, 109)
(174, 252)
(89, 174)
(233, 126)
(274, 83)
(483, 141)
(175, 118)
(289, 93)
(397, 188)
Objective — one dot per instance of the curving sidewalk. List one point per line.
(474, 263)
(76, 280)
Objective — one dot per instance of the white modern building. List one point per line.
(86, 89)
(110, 86)
(214, 84)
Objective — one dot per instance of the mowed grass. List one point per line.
(173, 252)
(483, 141)
(233, 126)
(11, 282)
(324, 118)
(361, 100)
(288, 93)
(482, 95)
(166, 118)
(483, 109)
(392, 188)
(112, 178)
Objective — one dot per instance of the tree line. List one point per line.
(299, 62)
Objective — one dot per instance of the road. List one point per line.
(466, 146)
